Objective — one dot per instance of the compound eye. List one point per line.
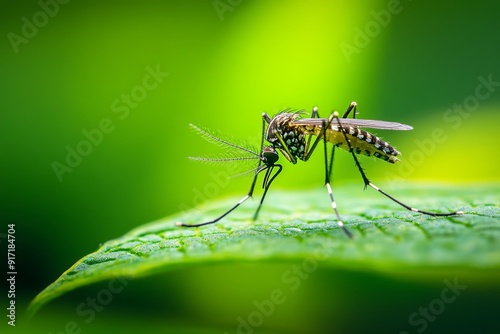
(269, 155)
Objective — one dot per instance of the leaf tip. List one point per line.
(33, 307)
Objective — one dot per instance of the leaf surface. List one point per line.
(296, 225)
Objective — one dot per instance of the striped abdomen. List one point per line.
(362, 142)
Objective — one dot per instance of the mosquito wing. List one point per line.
(362, 123)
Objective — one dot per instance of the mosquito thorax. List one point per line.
(269, 155)
(281, 132)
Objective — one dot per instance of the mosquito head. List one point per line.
(269, 155)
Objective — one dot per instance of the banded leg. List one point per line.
(368, 183)
(328, 172)
(328, 165)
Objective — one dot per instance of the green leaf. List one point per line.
(300, 225)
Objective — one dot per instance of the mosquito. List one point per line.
(297, 138)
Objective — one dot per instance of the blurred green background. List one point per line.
(84, 69)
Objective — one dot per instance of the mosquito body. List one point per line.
(288, 132)
(297, 137)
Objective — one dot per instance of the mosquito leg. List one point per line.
(352, 107)
(328, 172)
(310, 149)
(265, 119)
(307, 151)
(315, 113)
(216, 219)
(247, 196)
(368, 183)
(435, 214)
(330, 167)
(266, 185)
(326, 125)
